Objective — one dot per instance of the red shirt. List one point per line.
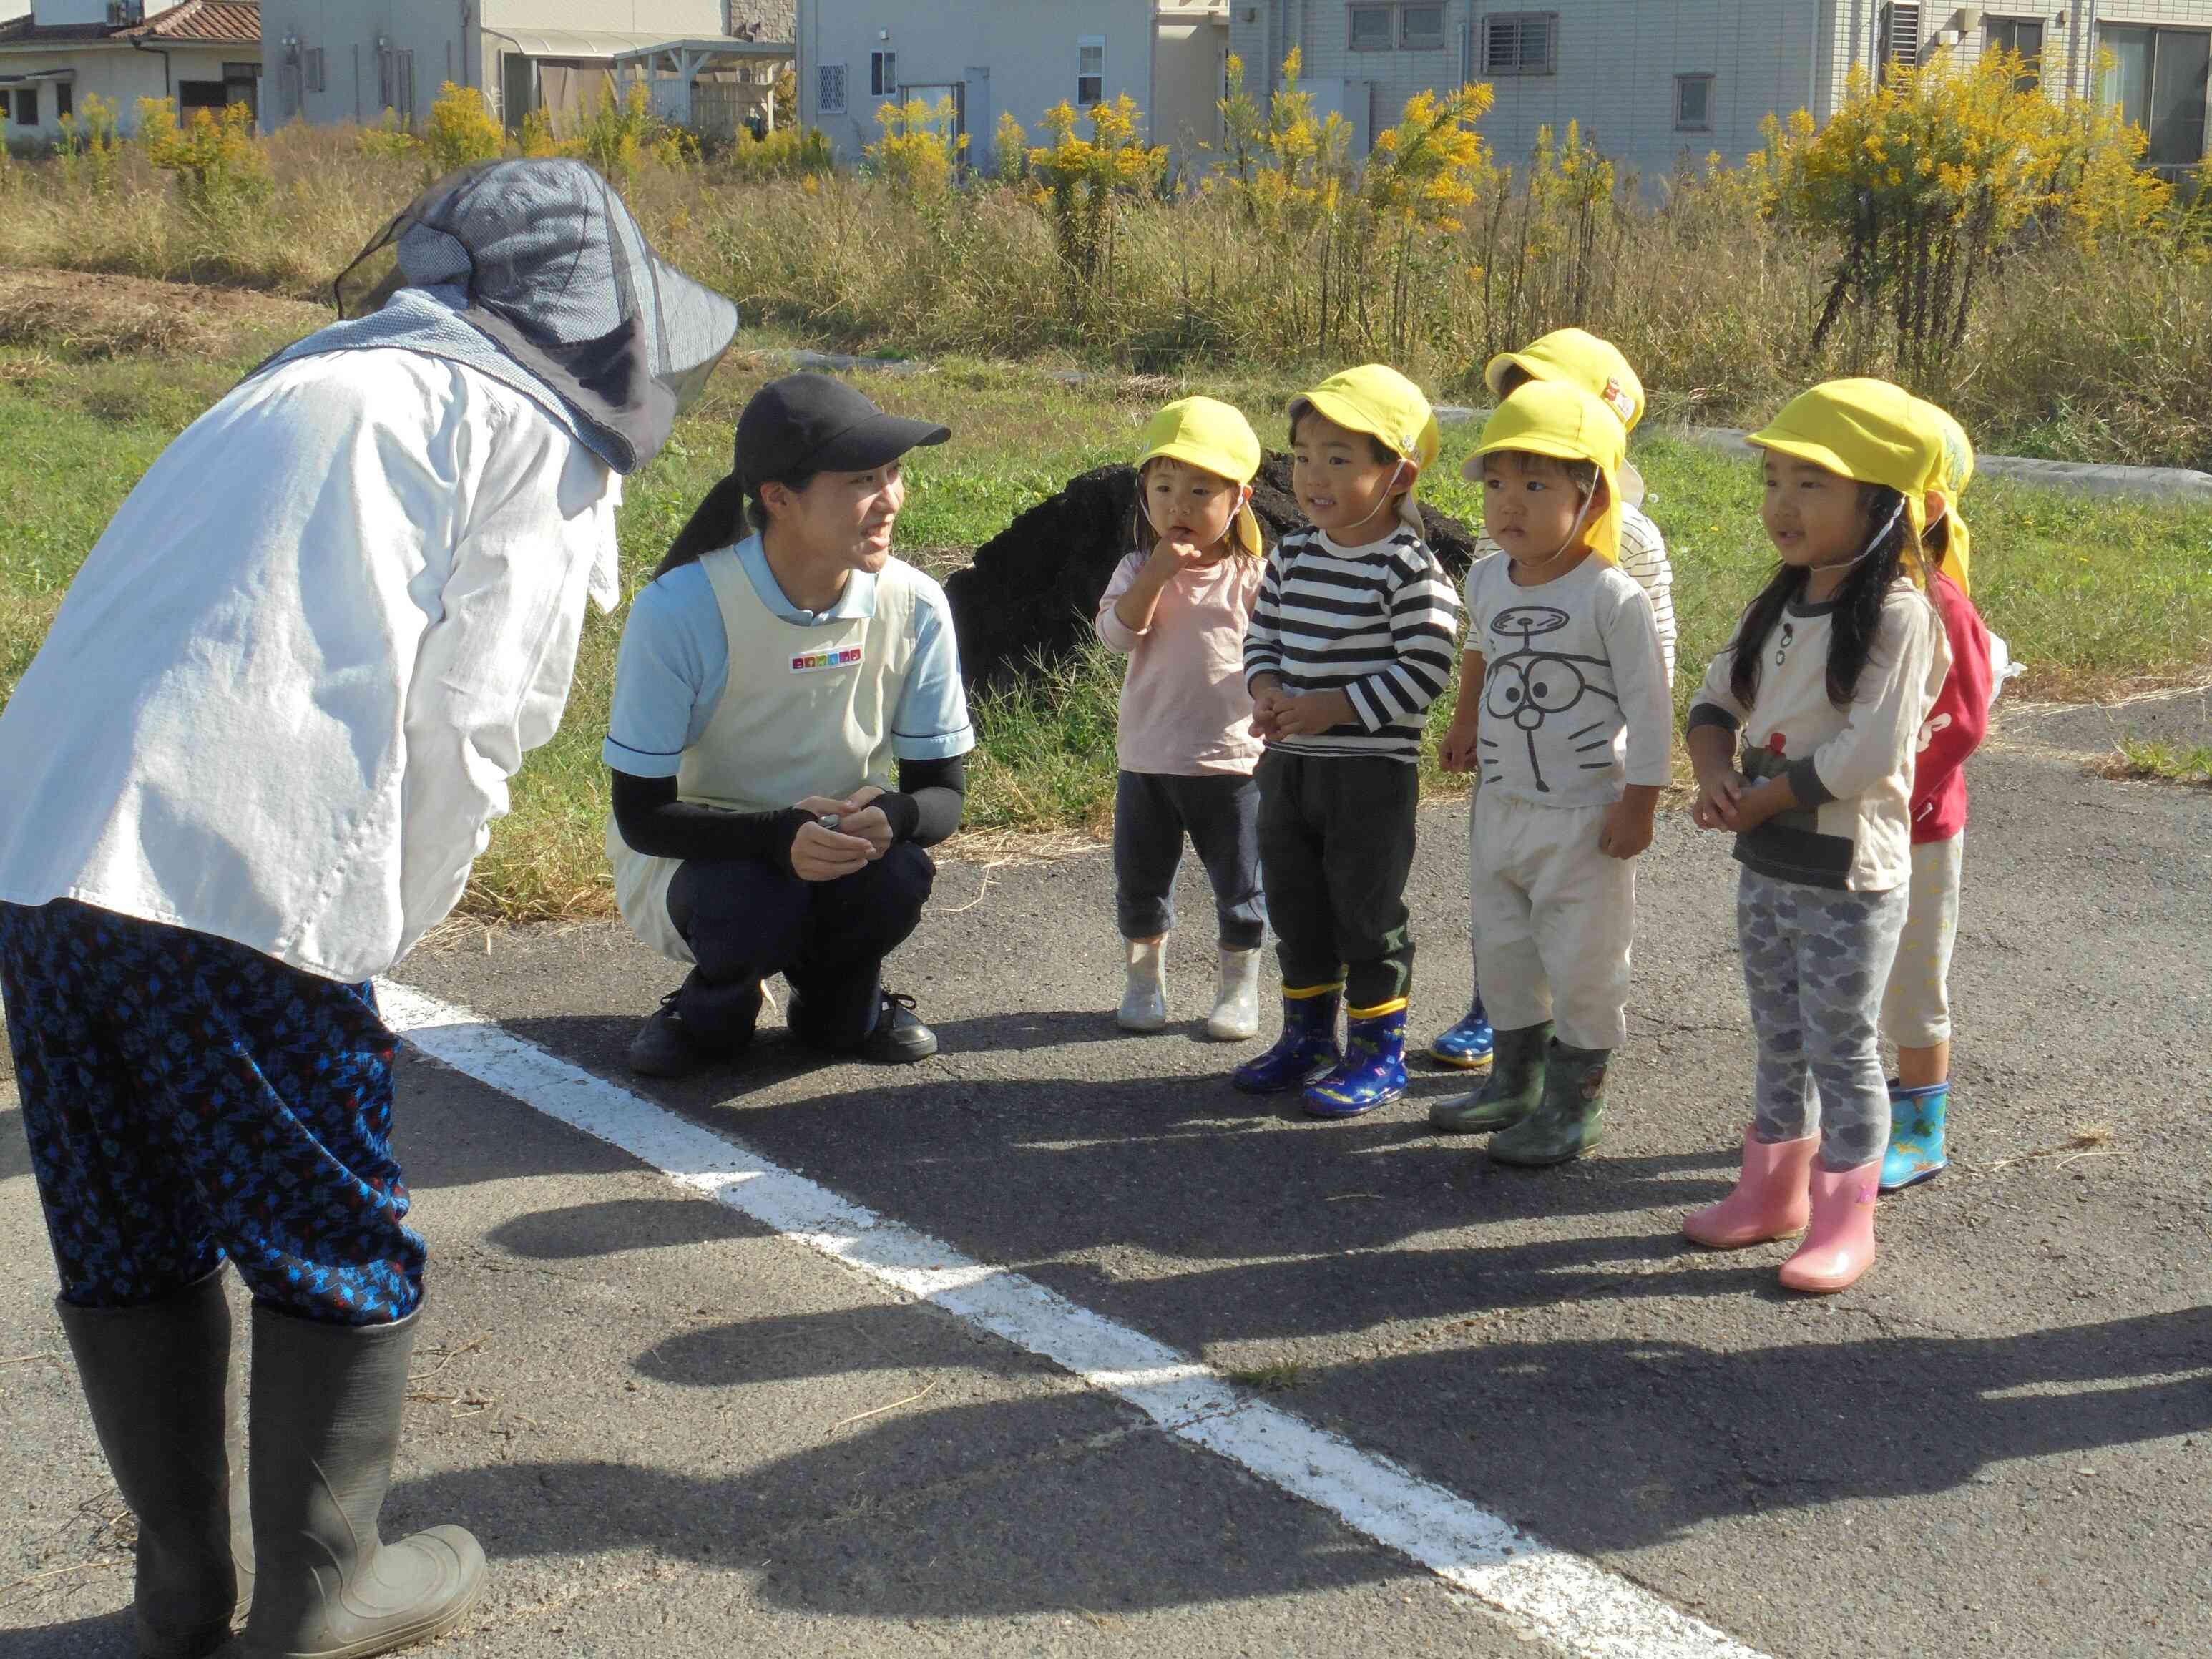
(1956, 724)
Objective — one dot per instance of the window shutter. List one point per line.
(1900, 35)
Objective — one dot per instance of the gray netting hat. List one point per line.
(557, 276)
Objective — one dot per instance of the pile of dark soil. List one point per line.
(1027, 599)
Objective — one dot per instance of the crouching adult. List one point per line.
(769, 684)
(249, 768)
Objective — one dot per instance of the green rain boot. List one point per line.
(1516, 1085)
(1572, 1119)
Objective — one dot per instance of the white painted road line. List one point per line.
(1539, 1591)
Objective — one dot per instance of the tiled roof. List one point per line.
(230, 23)
(208, 23)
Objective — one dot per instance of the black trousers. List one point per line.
(1221, 811)
(1336, 844)
(746, 919)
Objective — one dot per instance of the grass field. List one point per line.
(2094, 596)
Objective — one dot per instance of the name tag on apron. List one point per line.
(816, 662)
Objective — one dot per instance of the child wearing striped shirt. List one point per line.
(1350, 640)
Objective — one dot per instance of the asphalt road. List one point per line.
(669, 1425)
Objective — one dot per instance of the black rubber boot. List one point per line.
(158, 1380)
(327, 1401)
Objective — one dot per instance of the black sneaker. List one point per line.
(662, 1048)
(900, 1038)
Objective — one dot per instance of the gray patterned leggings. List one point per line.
(1815, 963)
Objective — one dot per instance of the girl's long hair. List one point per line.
(1858, 602)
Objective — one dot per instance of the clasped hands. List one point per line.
(1277, 713)
(863, 834)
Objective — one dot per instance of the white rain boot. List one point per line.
(1235, 1016)
(1145, 996)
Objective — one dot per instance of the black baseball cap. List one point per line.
(805, 423)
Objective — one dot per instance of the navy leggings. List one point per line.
(188, 1100)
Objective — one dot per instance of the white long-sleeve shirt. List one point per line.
(1849, 768)
(281, 701)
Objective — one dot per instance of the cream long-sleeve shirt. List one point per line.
(281, 701)
(1851, 768)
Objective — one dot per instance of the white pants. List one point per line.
(1554, 919)
(1916, 1007)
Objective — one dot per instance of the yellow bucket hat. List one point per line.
(1954, 471)
(1551, 417)
(1377, 399)
(1580, 359)
(1215, 438)
(1869, 431)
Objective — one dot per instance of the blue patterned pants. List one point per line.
(189, 1100)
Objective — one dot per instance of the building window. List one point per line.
(27, 107)
(315, 81)
(1693, 103)
(1371, 28)
(883, 74)
(396, 84)
(2023, 38)
(1521, 43)
(64, 101)
(1421, 29)
(2158, 78)
(1900, 47)
(201, 94)
(830, 89)
(1090, 70)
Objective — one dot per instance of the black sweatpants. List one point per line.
(1221, 811)
(746, 919)
(1336, 844)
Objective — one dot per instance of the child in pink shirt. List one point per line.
(1177, 608)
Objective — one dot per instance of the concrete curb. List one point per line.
(2165, 484)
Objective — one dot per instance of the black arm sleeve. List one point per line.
(655, 823)
(930, 796)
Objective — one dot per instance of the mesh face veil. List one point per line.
(554, 272)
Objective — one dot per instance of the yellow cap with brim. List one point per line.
(1580, 359)
(1377, 399)
(1869, 431)
(1211, 436)
(1551, 417)
(1954, 471)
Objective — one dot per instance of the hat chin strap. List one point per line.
(1381, 507)
(1874, 542)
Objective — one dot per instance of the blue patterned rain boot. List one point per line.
(1466, 1046)
(1915, 1135)
(1307, 1046)
(1373, 1070)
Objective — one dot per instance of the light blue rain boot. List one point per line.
(1307, 1046)
(1373, 1070)
(1915, 1135)
(1468, 1046)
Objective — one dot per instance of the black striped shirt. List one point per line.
(1378, 622)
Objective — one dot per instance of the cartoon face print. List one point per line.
(1528, 688)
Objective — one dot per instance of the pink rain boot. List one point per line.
(1769, 1200)
(1840, 1244)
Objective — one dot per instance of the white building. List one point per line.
(203, 54)
(709, 62)
(1654, 81)
(992, 57)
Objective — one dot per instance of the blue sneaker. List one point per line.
(1915, 1135)
(1306, 1048)
(1373, 1070)
(1468, 1045)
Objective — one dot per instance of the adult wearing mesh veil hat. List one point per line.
(250, 766)
(787, 737)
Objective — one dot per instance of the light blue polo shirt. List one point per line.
(675, 664)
